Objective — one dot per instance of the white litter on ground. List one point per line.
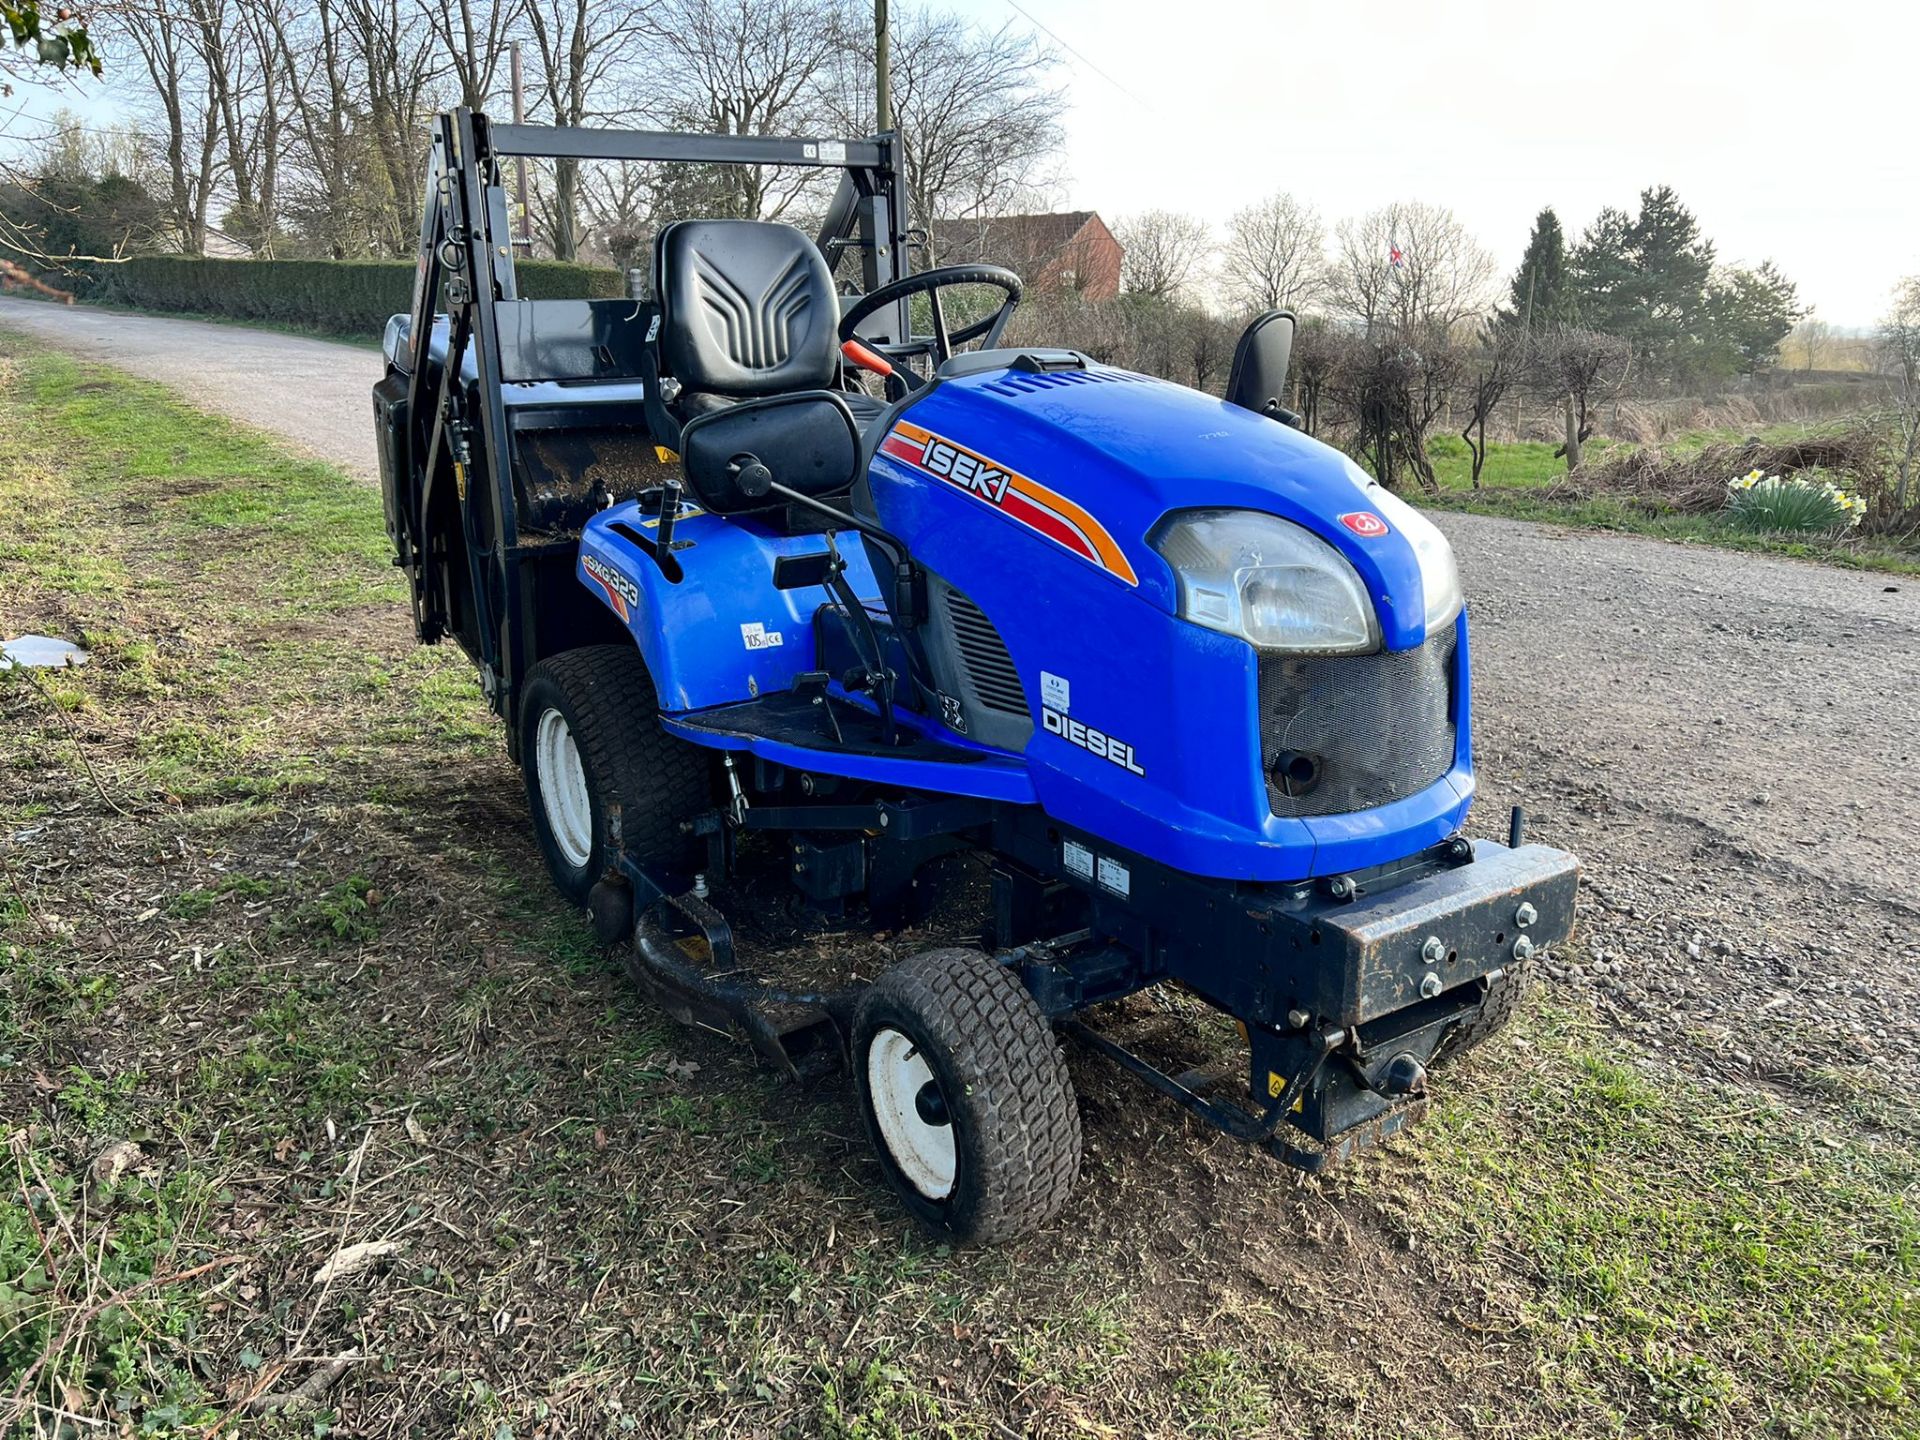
(39, 652)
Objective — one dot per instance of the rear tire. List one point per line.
(966, 1096)
(1501, 1005)
(590, 739)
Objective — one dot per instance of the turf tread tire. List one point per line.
(1001, 1068)
(1502, 1004)
(660, 780)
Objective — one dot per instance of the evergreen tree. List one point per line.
(1646, 280)
(1541, 293)
(1750, 313)
(1674, 262)
(1601, 273)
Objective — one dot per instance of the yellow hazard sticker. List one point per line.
(1276, 1082)
(667, 457)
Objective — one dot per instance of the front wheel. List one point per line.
(966, 1096)
(592, 749)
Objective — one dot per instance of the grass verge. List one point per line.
(1518, 484)
(323, 1116)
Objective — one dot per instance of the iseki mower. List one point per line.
(1190, 686)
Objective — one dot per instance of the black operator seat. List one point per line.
(747, 309)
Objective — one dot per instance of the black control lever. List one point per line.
(668, 513)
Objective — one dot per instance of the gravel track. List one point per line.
(1730, 741)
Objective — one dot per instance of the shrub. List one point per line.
(341, 297)
(1694, 482)
(1807, 501)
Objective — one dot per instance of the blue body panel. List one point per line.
(699, 636)
(1121, 451)
(1129, 450)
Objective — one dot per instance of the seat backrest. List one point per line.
(747, 308)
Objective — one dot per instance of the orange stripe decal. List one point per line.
(1023, 500)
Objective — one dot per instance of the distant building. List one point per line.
(218, 245)
(222, 246)
(1074, 251)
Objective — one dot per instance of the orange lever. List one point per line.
(858, 354)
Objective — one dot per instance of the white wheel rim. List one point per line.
(563, 788)
(924, 1152)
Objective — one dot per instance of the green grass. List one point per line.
(1694, 1255)
(1524, 463)
(87, 1303)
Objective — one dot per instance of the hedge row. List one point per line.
(346, 297)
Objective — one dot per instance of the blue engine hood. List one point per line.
(1126, 450)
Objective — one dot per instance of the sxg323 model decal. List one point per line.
(1024, 500)
(623, 596)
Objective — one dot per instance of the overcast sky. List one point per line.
(1791, 130)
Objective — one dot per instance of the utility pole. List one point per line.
(525, 238)
(882, 67)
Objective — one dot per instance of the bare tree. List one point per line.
(1409, 268)
(396, 62)
(1582, 369)
(248, 81)
(1900, 351)
(749, 67)
(316, 51)
(473, 38)
(582, 47)
(1395, 390)
(1319, 350)
(974, 105)
(1164, 251)
(1813, 336)
(186, 111)
(619, 202)
(1491, 372)
(1209, 346)
(1274, 254)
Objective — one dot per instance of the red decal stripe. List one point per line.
(1049, 525)
(614, 597)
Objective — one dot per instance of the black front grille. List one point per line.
(984, 654)
(1341, 733)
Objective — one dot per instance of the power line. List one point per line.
(1032, 20)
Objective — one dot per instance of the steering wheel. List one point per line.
(941, 344)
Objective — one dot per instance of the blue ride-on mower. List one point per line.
(1188, 687)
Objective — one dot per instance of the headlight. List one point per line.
(1439, 576)
(1268, 581)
